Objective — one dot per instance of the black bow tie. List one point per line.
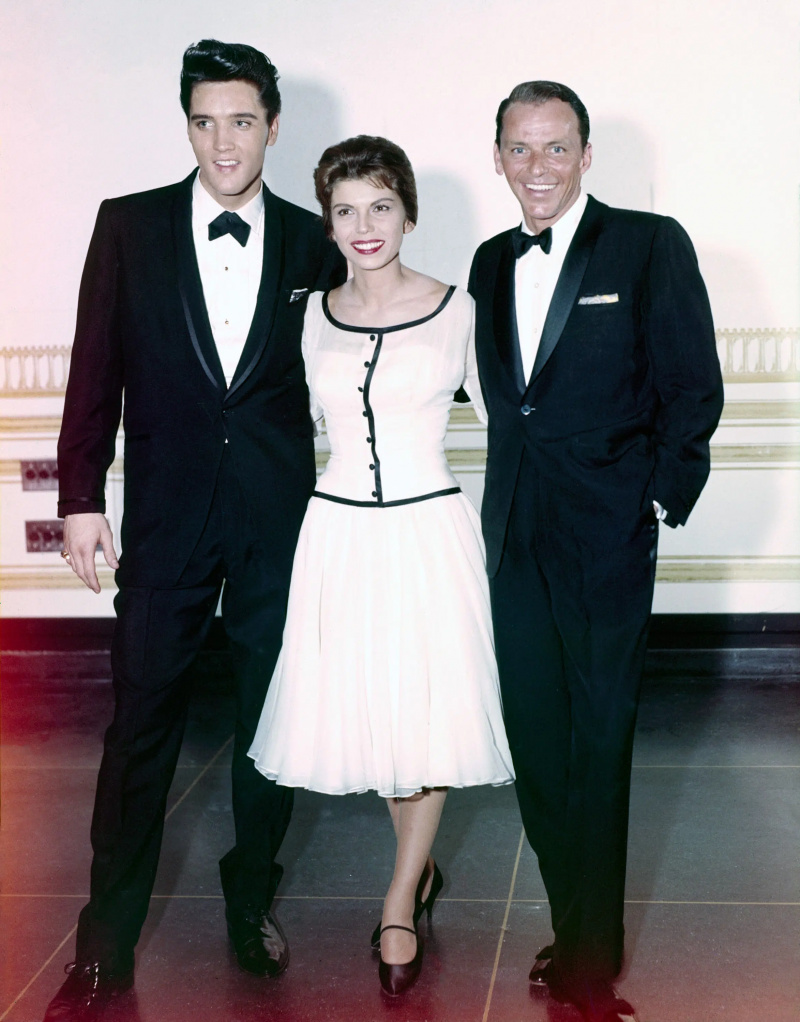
(524, 242)
(229, 223)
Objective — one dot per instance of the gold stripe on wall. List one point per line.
(669, 569)
(31, 424)
(728, 569)
(18, 577)
(464, 417)
(758, 411)
(466, 459)
(737, 454)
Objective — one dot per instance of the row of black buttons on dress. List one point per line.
(365, 413)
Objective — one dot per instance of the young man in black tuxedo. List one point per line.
(598, 364)
(191, 304)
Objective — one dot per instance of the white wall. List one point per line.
(693, 104)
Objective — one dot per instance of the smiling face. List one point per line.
(229, 133)
(541, 156)
(369, 222)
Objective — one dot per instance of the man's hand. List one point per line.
(82, 533)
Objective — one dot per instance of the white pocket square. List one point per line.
(598, 299)
(297, 294)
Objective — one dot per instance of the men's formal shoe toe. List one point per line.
(540, 969)
(87, 991)
(619, 1010)
(258, 941)
(622, 1012)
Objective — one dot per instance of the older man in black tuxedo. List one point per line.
(597, 358)
(191, 305)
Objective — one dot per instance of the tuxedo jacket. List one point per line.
(143, 334)
(625, 390)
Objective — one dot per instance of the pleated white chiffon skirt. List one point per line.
(387, 678)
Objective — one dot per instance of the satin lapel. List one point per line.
(191, 288)
(569, 282)
(505, 316)
(271, 276)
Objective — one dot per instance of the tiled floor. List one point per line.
(713, 919)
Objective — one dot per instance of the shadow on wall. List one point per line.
(310, 121)
(623, 167)
(736, 287)
(624, 172)
(446, 235)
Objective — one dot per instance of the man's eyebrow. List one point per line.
(553, 141)
(209, 117)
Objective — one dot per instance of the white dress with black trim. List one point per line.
(387, 677)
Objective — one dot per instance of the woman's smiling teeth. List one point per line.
(367, 247)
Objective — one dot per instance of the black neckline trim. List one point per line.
(385, 329)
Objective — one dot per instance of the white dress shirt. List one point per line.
(535, 281)
(230, 274)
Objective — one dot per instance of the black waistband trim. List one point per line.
(386, 503)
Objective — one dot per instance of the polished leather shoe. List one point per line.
(539, 970)
(258, 940)
(396, 979)
(619, 1011)
(87, 991)
(603, 1004)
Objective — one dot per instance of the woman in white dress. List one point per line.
(387, 679)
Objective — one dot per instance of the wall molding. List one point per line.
(759, 355)
(669, 569)
(19, 576)
(749, 355)
(750, 456)
(462, 416)
(703, 568)
(30, 425)
(739, 412)
(34, 371)
(473, 459)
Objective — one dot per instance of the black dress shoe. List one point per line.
(87, 991)
(539, 970)
(601, 1003)
(619, 1011)
(396, 979)
(258, 940)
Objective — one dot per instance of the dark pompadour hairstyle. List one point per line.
(541, 92)
(213, 61)
(365, 156)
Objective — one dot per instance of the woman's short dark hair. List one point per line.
(213, 61)
(538, 93)
(365, 156)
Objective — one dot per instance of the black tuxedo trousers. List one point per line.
(158, 634)
(571, 620)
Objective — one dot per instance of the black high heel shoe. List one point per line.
(420, 906)
(396, 979)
